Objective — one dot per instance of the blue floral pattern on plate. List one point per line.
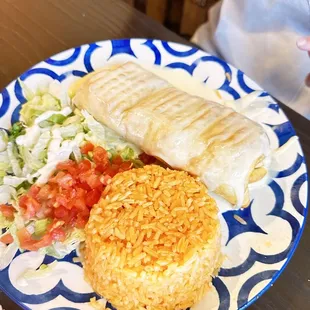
(258, 245)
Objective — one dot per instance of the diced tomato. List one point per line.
(61, 212)
(69, 166)
(72, 217)
(54, 232)
(28, 243)
(81, 222)
(92, 197)
(68, 196)
(22, 201)
(30, 206)
(45, 211)
(94, 181)
(61, 200)
(70, 193)
(87, 147)
(101, 168)
(23, 236)
(147, 159)
(105, 179)
(7, 211)
(84, 213)
(45, 241)
(91, 178)
(117, 160)
(56, 177)
(100, 156)
(83, 176)
(50, 203)
(58, 234)
(64, 180)
(84, 185)
(126, 165)
(84, 165)
(7, 239)
(44, 193)
(112, 170)
(34, 190)
(80, 203)
(77, 199)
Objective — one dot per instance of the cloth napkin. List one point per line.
(259, 37)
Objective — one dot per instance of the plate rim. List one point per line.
(307, 204)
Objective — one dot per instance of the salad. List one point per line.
(54, 164)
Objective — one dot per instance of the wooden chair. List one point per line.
(181, 16)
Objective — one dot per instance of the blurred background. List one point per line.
(180, 16)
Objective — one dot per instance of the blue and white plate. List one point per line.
(258, 241)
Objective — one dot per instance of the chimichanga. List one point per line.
(206, 139)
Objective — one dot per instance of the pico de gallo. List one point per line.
(54, 165)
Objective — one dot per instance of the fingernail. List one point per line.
(301, 42)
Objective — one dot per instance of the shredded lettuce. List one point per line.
(3, 169)
(6, 193)
(26, 171)
(104, 136)
(42, 272)
(28, 93)
(75, 119)
(137, 163)
(7, 253)
(40, 227)
(50, 133)
(71, 130)
(3, 140)
(56, 90)
(128, 153)
(22, 189)
(54, 119)
(39, 151)
(57, 152)
(30, 138)
(30, 160)
(45, 172)
(16, 130)
(24, 186)
(13, 180)
(77, 153)
(50, 118)
(5, 166)
(61, 249)
(13, 230)
(4, 222)
(5, 197)
(13, 155)
(37, 106)
(96, 129)
(4, 160)
(54, 145)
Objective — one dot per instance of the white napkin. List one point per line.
(259, 37)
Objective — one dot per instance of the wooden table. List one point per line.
(33, 30)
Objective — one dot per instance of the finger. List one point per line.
(307, 81)
(303, 43)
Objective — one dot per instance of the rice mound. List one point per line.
(153, 240)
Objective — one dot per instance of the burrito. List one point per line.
(220, 146)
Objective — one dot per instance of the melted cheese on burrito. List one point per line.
(207, 139)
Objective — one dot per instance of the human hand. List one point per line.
(303, 43)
